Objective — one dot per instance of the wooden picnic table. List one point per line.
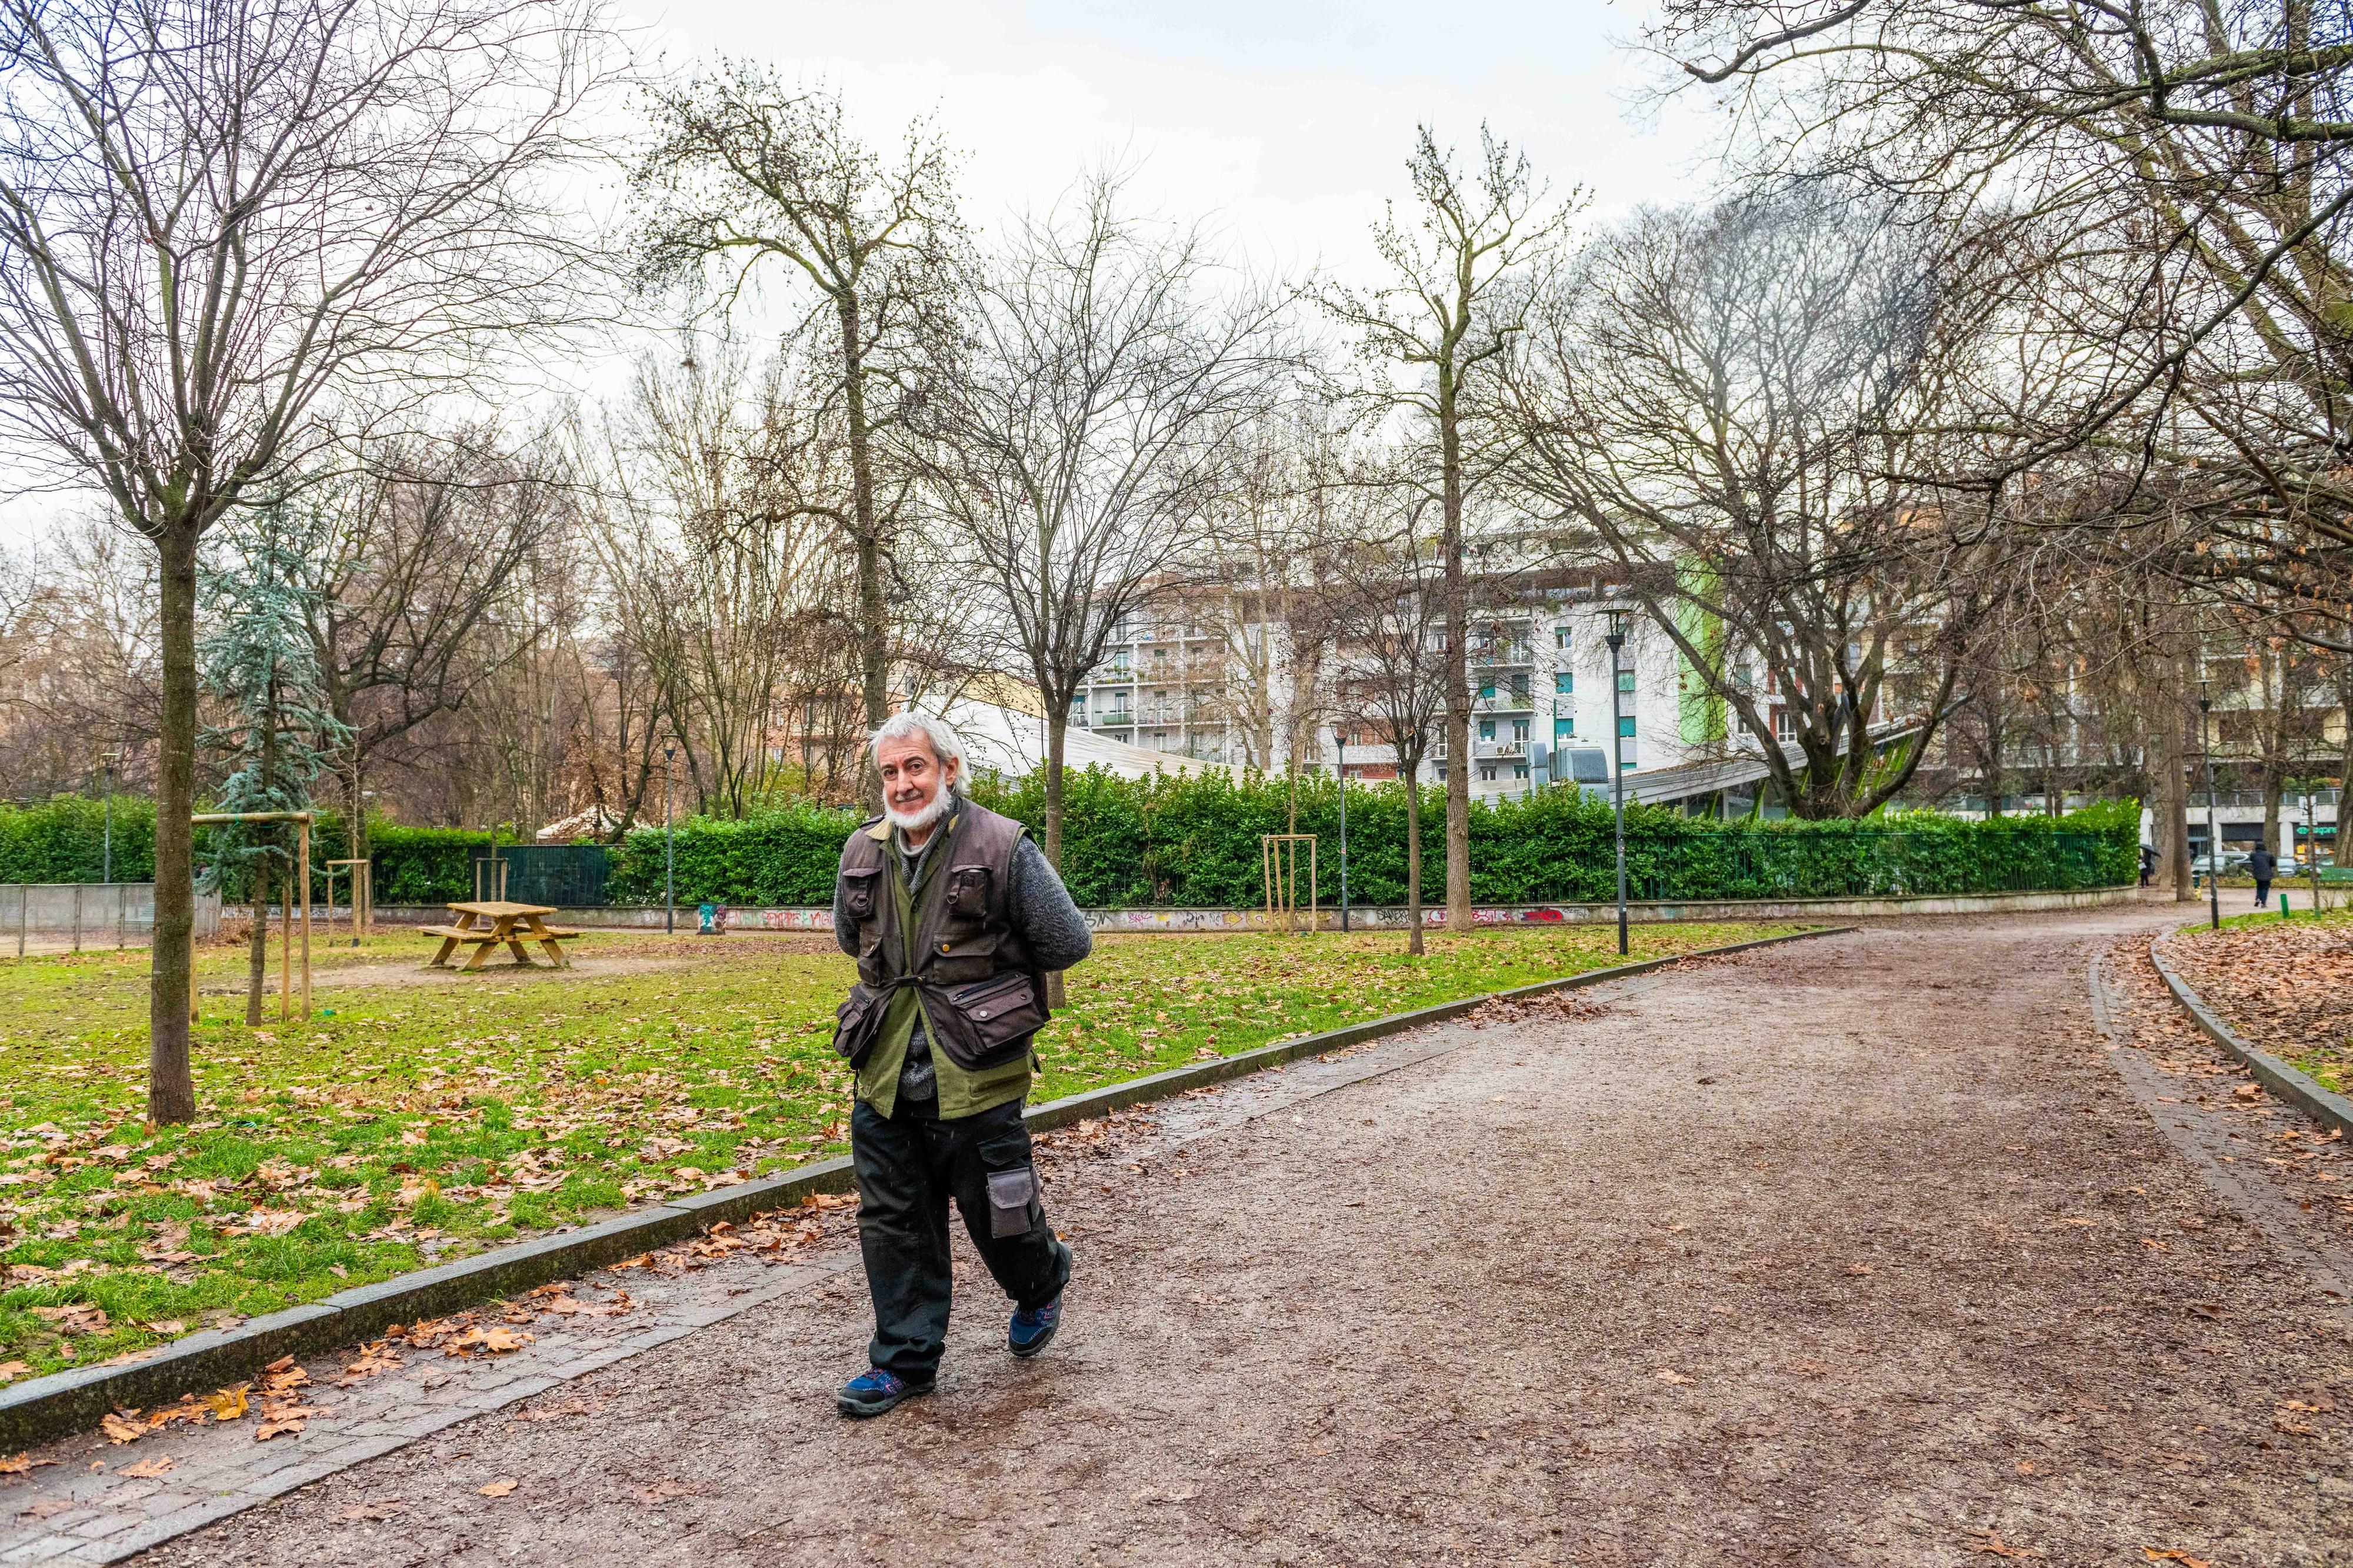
(488, 925)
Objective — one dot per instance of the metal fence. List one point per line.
(78, 915)
(565, 876)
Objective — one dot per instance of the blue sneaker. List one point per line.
(875, 1392)
(1032, 1329)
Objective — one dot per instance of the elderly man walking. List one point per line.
(956, 919)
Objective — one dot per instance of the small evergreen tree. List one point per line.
(274, 730)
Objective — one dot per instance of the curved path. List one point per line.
(1856, 1251)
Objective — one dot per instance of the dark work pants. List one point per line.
(909, 1166)
(2263, 893)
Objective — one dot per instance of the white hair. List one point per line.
(945, 744)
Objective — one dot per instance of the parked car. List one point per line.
(2234, 863)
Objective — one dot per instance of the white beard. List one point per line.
(916, 820)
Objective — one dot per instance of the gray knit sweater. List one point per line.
(1042, 912)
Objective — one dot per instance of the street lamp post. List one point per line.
(670, 844)
(1617, 640)
(2213, 844)
(1340, 745)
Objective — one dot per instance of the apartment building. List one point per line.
(1539, 666)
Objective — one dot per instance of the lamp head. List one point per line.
(1616, 635)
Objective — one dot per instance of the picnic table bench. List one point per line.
(488, 926)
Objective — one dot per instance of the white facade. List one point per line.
(1540, 674)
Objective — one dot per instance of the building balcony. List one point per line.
(1489, 751)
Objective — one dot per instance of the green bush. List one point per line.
(64, 840)
(426, 864)
(1194, 843)
(781, 857)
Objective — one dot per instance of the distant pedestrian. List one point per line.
(956, 919)
(2261, 864)
(2148, 864)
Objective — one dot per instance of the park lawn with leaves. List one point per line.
(2286, 985)
(421, 1116)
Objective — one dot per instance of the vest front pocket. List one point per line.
(985, 1021)
(857, 1021)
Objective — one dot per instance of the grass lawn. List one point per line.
(423, 1115)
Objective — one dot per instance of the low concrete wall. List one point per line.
(1364, 917)
(74, 915)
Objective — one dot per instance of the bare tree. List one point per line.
(1394, 671)
(2183, 168)
(1465, 264)
(742, 170)
(221, 224)
(429, 539)
(1083, 449)
(1729, 399)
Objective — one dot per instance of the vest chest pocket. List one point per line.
(857, 893)
(968, 892)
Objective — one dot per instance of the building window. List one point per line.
(1486, 729)
(1625, 680)
(1520, 689)
(1519, 729)
(1563, 730)
(1560, 638)
(1520, 770)
(1487, 773)
(1626, 726)
(1488, 692)
(1783, 729)
(1563, 683)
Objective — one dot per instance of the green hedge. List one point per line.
(1194, 843)
(64, 840)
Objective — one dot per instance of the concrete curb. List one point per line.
(50, 1407)
(2290, 1085)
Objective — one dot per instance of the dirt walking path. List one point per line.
(1857, 1251)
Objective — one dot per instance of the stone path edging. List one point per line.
(47, 1408)
(2297, 1087)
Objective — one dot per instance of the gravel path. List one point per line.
(1857, 1251)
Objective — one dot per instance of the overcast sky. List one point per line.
(1286, 121)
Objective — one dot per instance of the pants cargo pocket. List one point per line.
(1012, 1201)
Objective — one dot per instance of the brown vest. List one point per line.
(970, 968)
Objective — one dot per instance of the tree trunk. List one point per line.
(1457, 661)
(2175, 787)
(1413, 856)
(258, 896)
(873, 625)
(257, 947)
(171, 1085)
(1058, 724)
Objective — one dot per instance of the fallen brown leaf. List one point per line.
(499, 1487)
(22, 1464)
(146, 1469)
(228, 1404)
(120, 1428)
(491, 1340)
(10, 1371)
(2173, 1554)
